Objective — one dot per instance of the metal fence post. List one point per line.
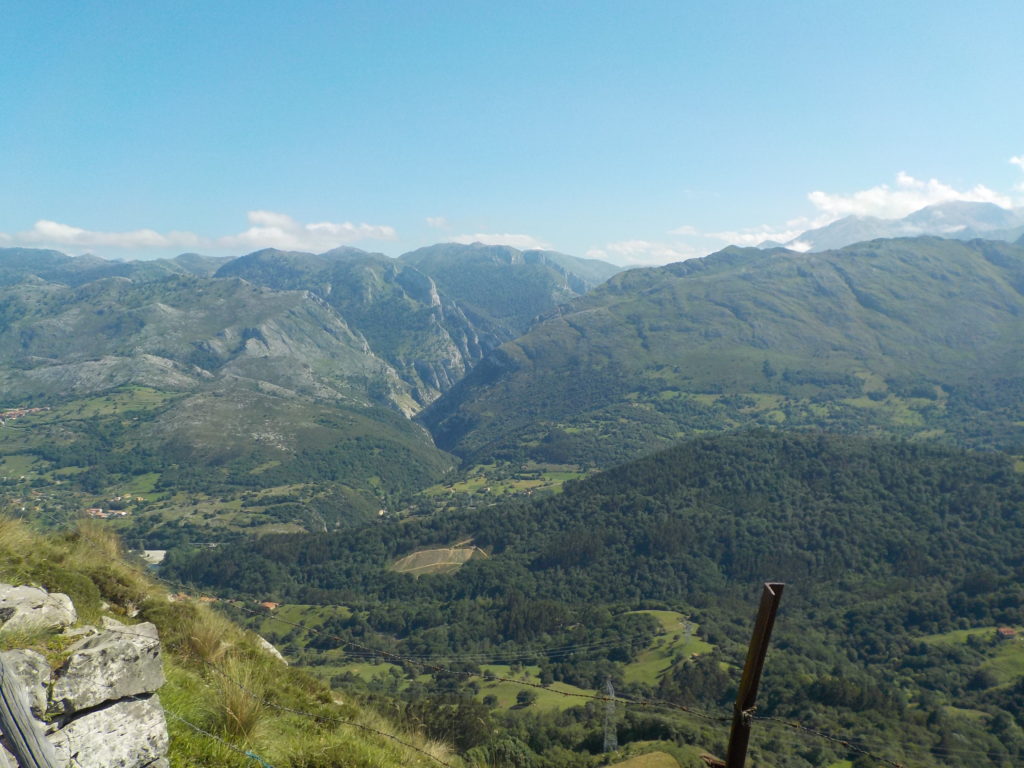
(747, 694)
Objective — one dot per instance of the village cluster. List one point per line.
(10, 414)
(101, 513)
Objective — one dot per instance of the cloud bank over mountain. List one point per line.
(890, 201)
(268, 229)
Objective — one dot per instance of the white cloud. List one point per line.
(884, 201)
(45, 232)
(686, 229)
(908, 195)
(437, 222)
(269, 230)
(752, 236)
(278, 230)
(523, 242)
(1018, 160)
(643, 252)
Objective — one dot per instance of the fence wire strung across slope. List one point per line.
(367, 651)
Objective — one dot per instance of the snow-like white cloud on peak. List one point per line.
(752, 236)
(268, 229)
(278, 230)
(643, 252)
(885, 201)
(522, 242)
(895, 202)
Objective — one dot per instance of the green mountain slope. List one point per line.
(507, 287)
(212, 386)
(18, 264)
(919, 336)
(433, 313)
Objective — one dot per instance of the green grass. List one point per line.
(1008, 662)
(16, 465)
(650, 760)
(958, 636)
(1005, 657)
(214, 669)
(504, 479)
(548, 699)
(672, 642)
(142, 485)
(428, 561)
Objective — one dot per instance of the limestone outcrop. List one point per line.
(32, 608)
(119, 662)
(99, 708)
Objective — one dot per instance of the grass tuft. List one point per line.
(210, 636)
(242, 690)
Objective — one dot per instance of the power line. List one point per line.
(846, 743)
(368, 652)
(436, 668)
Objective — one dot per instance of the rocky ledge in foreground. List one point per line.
(99, 708)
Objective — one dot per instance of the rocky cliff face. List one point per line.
(99, 707)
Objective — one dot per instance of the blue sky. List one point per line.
(641, 132)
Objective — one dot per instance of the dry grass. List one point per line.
(93, 540)
(16, 540)
(211, 635)
(241, 703)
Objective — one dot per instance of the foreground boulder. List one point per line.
(102, 705)
(126, 734)
(31, 608)
(114, 664)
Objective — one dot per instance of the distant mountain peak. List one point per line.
(956, 219)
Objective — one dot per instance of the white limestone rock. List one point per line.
(269, 647)
(111, 665)
(32, 608)
(126, 734)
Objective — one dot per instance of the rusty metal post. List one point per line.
(747, 694)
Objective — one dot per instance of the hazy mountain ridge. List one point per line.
(435, 312)
(958, 220)
(275, 369)
(844, 339)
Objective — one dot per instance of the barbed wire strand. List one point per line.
(247, 753)
(844, 742)
(865, 741)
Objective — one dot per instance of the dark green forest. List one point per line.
(883, 544)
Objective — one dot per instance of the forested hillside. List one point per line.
(889, 549)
